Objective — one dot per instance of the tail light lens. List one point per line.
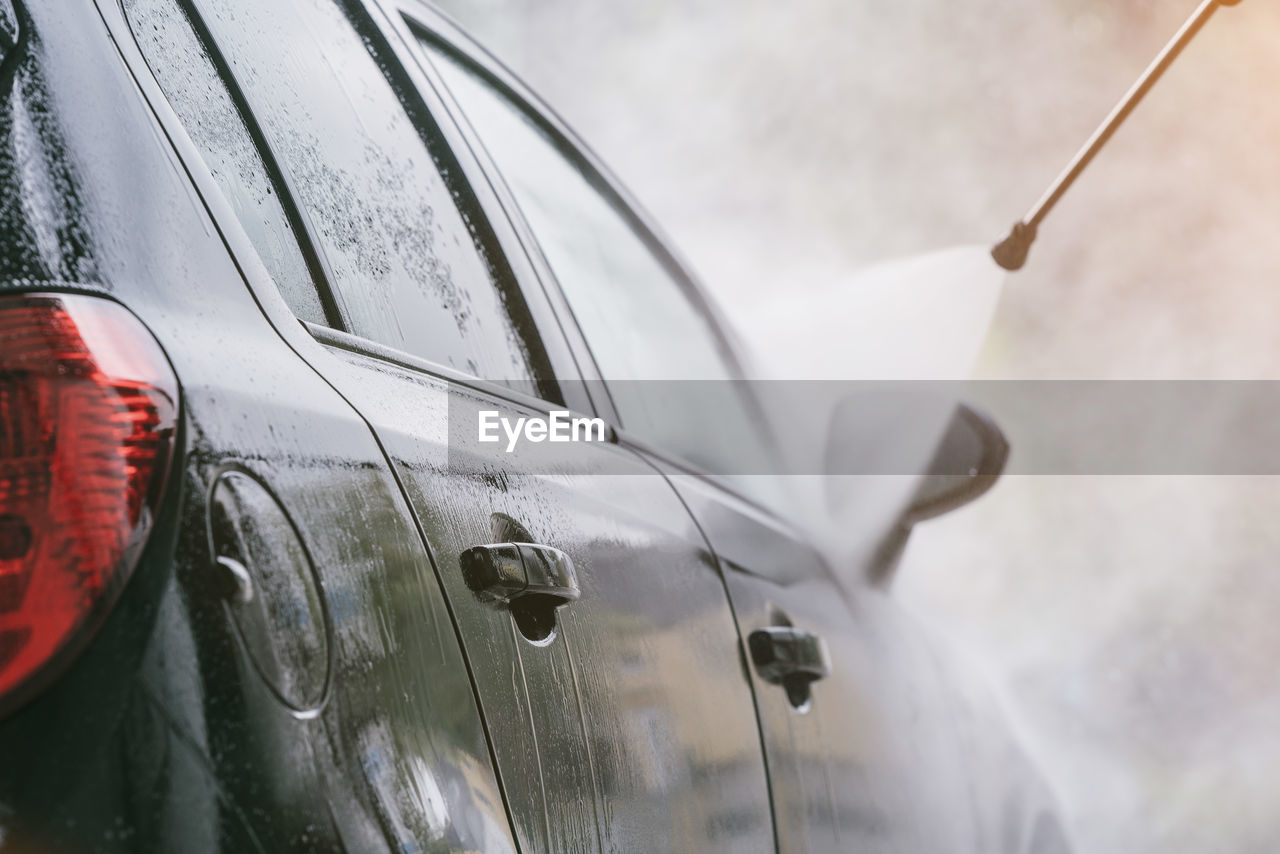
(87, 411)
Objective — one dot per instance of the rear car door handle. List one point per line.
(510, 573)
(790, 657)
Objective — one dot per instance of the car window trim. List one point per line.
(361, 346)
(459, 182)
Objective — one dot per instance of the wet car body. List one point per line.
(298, 661)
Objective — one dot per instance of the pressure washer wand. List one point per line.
(1011, 253)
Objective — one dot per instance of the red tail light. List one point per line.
(87, 411)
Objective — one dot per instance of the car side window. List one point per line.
(645, 330)
(190, 82)
(406, 267)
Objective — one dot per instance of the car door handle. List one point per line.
(509, 573)
(789, 657)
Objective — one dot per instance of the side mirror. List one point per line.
(926, 452)
(969, 460)
(897, 458)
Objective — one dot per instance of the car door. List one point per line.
(871, 745)
(880, 752)
(611, 686)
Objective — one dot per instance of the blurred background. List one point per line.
(1129, 622)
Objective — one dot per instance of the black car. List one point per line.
(272, 277)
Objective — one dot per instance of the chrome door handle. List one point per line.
(510, 573)
(790, 657)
